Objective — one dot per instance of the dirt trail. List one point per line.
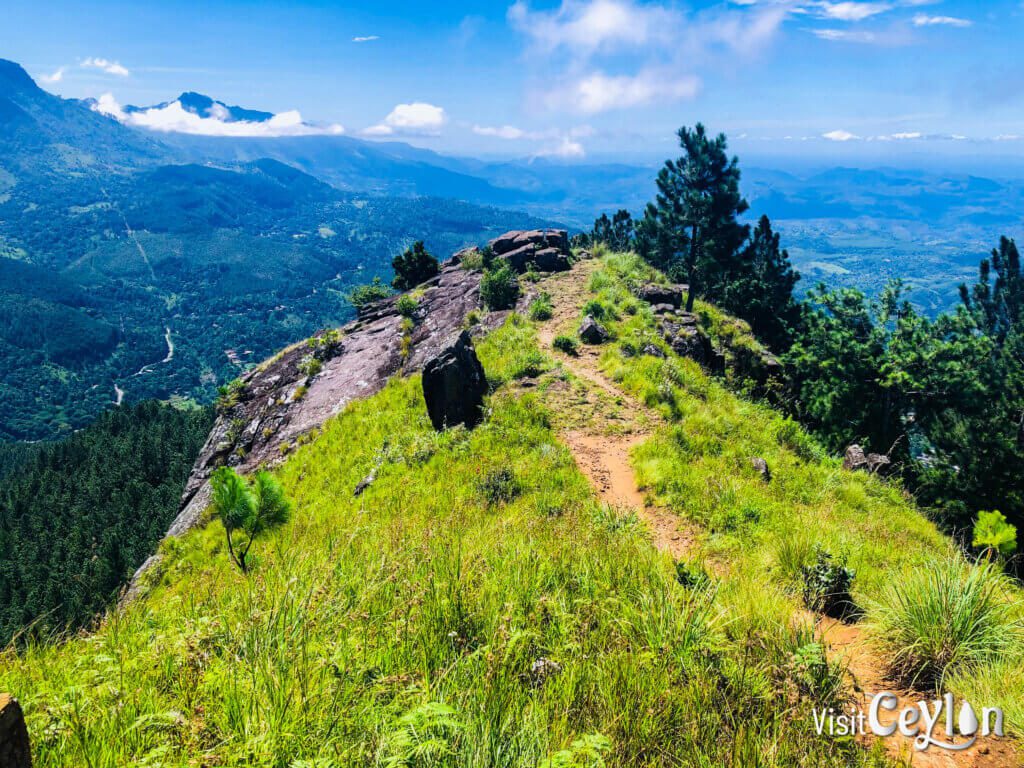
(602, 449)
(866, 672)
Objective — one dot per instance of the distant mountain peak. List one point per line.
(13, 77)
(205, 106)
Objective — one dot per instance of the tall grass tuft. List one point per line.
(942, 617)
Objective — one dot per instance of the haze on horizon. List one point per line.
(883, 81)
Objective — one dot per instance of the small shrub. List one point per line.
(943, 616)
(541, 307)
(499, 486)
(499, 288)
(691, 575)
(811, 672)
(247, 509)
(473, 318)
(595, 309)
(531, 275)
(310, 365)
(994, 535)
(615, 520)
(362, 295)
(414, 266)
(229, 395)
(472, 260)
(566, 344)
(406, 305)
(826, 586)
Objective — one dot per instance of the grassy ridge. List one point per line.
(758, 534)
(475, 606)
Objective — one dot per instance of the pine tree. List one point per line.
(698, 203)
(413, 267)
(760, 290)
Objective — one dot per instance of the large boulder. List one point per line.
(14, 747)
(662, 294)
(454, 385)
(592, 332)
(547, 250)
(855, 459)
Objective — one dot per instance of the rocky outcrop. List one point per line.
(547, 250)
(855, 459)
(761, 467)
(454, 385)
(687, 339)
(14, 746)
(662, 294)
(275, 404)
(592, 332)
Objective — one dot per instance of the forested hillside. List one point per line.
(78, 517)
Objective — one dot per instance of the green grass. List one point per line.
(759, 534)
(431, 621)
(943, 617)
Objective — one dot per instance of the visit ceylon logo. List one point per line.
(928, 723)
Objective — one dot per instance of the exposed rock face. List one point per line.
(592, 332)
(14, 746)
(454, 385)
(855, 459)
(661, 294)
(687, 339)
(277, 403)
(546, 249)
(761, 467)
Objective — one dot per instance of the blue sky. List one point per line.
(579, 78)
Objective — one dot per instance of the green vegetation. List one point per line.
(541, 308)
(944, 617)
(406, 305)
(992, 534)
(78, 517)
(499, 287)
(566, 344)
(363, 295)
(826, 586)
(249, 509)
(439, 617)
(967, 621)
(413, 266)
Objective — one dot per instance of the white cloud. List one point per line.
(1007, 137)
(840, 135)
(566, 148)
(416, 118)
(587, 26)
(907, 135)
(56, 77)
(173, 118)
(846, 35)
(923, 20)
(365, 39)
(598, 92)
(105, 65)
(509, 132)
(851, 11)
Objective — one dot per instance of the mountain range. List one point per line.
(124, 247)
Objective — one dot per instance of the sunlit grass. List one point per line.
(429, 621)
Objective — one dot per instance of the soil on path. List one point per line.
(602, 452)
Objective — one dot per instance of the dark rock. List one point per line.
(592, 332)
(761, 467)
(689, 341)
(454, 385)
(544, 238)
(856, 460)
(652, 350)
(551, 260)
(505, 243)
(14, 746)
(520, 257)
(584, 255)
(661, 294)
(663, 309)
